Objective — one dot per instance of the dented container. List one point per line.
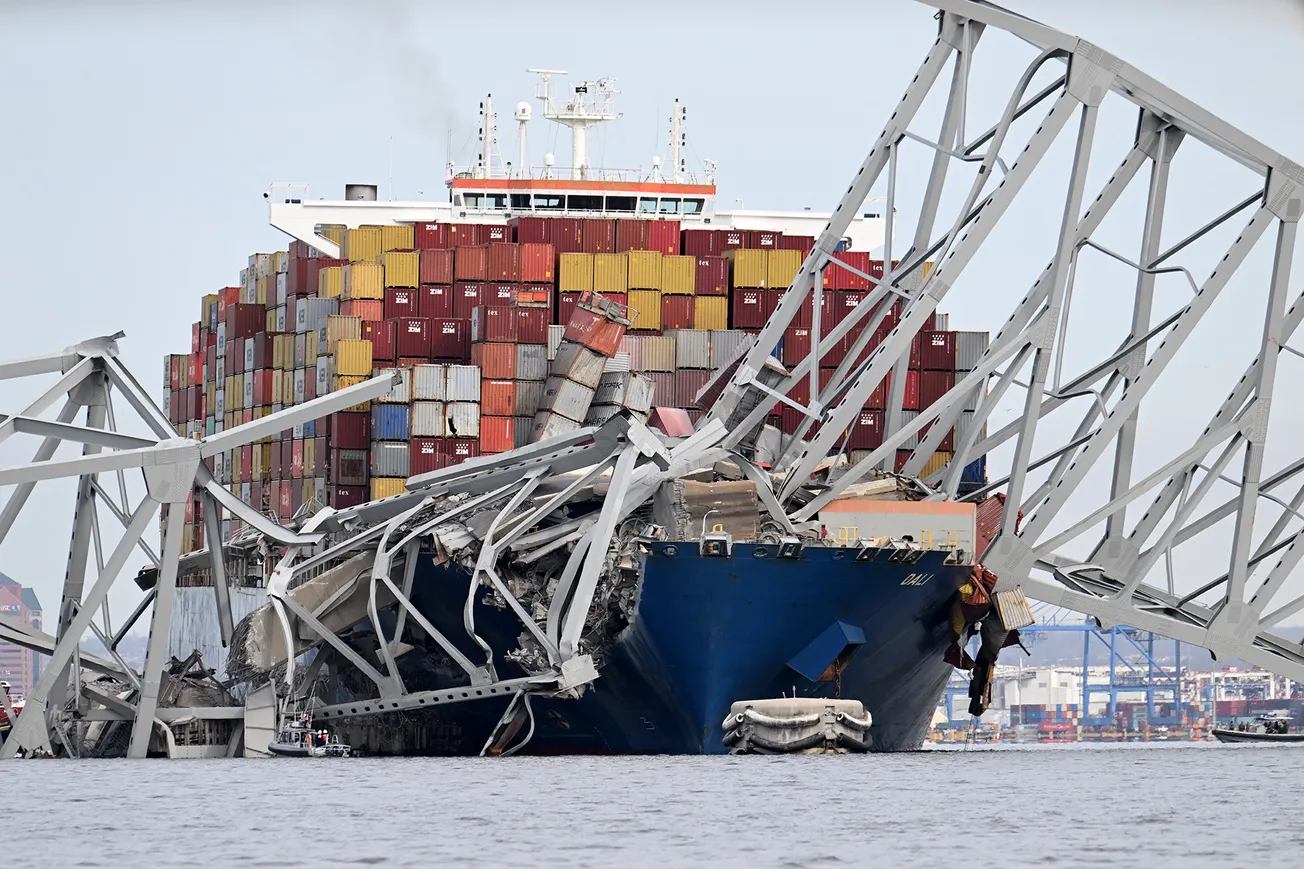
(531, 362)
(428, 419)
(566, 397)
(549, 425)
(463, 419)
(402, 393)
(579, 363)
(529, 395)
(645, 306)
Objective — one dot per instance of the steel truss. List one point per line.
(172, 468)
(1233, 610)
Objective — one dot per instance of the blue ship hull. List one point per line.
(708, 631)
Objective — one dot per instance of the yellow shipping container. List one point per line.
(644, 269)
(276, 386)
(935, 463)
(206, 308)
(783, 267)
(330, 282)
(402, 269)
(269, 320)
(679, 275)
(711, 312)
(575, 274)
(363, 281)
(749, 268)
(362, 245)
(385, 487)
(210, 395)
(399, 236)
(260, 290)
(235, 398)
(928, 269)
(309, 484)
(340, 328)
(309, 456)
(610, 273)
(353, 358)
(280, 261)
(344, 381)
(311, 350)
(335, 232)
(648, 305)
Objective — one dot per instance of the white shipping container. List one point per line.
(566, 397)
(611, 389)
(942, 322)
(324, 374)
(463, 384)
(463, 419)
(600, 413)
(219, 402)
(248, 390)
(429, 382)
(617, 363)
(969, 349)
(726, 345)
(219, 467)
(692, 347)
(963, 425)
(221, 369)
(401, 394)
(167, 402)
(529, 395)
(658, 354)
(521, 429)
(221, 338)
(280, 318)
(578, 363)
(280, 288)
(639, 395)
(428, 419)
(907, 417)
(632, 346)
(300, 350)
(531, 362)
(555, 334)
(548, 425)
(249, 348)
(389, 459)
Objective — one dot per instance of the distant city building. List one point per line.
(18, 666)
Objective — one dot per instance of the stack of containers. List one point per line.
(591, 338)
(296, 325)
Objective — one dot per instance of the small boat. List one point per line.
(298, 739)
(1273, 727)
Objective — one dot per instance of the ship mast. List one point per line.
(591, 105)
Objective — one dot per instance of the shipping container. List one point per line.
(390, 422)
(389, 459)
(465, 235)
(575, 272)
(382, 336)
(598, 236)
(643, 270)
(656, 353)
(493, 324)
(424, 455)
(711, 312)
(531, 362)
(536, 263)
(677, 312)
(678, 275)
(529, 395)
(933, 385)
(567, 398)
(436, 267)
(330, 282)
(688, 384)
(692, 348)
(631, 234)
(748, 269)
(435, 302)
(534, 296)
(363, 280)
(450, 339)
(397, 236)
(353, 358)
(362, 244)
(430, 236)
(969, 349)
(428, 419)
(783, 266)
(663, 237)
(463, 419)
(402, 302)
(502, 263)
(936, 351)
(466, 296)
(343, 497)
(347, 467)
(699, 242)
(471, 264)
(400, 394)
(463, 383)
(645, 305)
(496, 361)
(497, 397)
(610, 273)
(579, 363)
(748, 309)
(428, 382)
(310, 314)
(838, 278)
(555, 335)
(564, 234)
(387, 487)
(497, 434)
(402, 268)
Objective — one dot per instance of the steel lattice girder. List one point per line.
(173, 469)
(1229, 612)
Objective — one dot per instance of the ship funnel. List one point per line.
(361, 192)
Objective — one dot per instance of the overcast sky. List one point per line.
(139, 138)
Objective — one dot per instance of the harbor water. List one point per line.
(1131, 805)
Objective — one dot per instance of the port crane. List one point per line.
(1105, 551)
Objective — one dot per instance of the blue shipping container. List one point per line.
(390, 422)
(975, 471)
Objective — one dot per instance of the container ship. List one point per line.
(471, 300)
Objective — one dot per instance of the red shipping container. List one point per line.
(866, 432)
(402, 302)
(565, 234)
(495, 234)
(464, 235)
(796, 345)
(262, 387)
(531, 325)
(631, 234)
(747, 309)
(382, 335)
(245, 320)
(699, 242)
(770, 300)
(803, 243)
(497, 434)
(712, 276)
(436, 267)
(343, 497)
(677, 312)
(912, 401)
(663, 235)
(937, 351)
(496, 361)
(933, 385)
(274, 462)
(430, 236)
(529, 230)
(284, 505)
(536, 263)
(534, 295)
(458, 450)
(948, 442)
(566, 306)
(497, 398)
(412, 336)
(424, 456)
(502, 263)
(500, 295)
(234, 359)
(349, 431)
(730, 239)
(844, 302)
(450, 340)
(688, 383)
(262, 352)
(838, 278)
(194, 337)
(598, 236)
(434, 301)
(471, 264)
(296, 459)
(762, 239)
(493, 324)
(465, 297)
(367, 309)
(229, 296)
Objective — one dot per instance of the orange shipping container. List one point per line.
(496, 361)
(497, 434)
(471, 264)
(536, 263)
(497, 398)
(502, 262)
